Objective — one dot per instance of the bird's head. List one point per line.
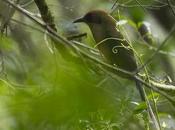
(96, 17)
(100, 23)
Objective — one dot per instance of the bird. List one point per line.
(112, 45)
(115, 49)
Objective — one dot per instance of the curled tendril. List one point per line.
(115, 50)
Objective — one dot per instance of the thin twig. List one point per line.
(114, 4)
(76, 36)
(27, 3)
(141, 5)
(93, 50)
(145, 6)
(171, 7)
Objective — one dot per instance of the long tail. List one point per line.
(144, 98)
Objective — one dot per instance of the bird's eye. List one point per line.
(91, 18)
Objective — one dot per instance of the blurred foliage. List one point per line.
(40, 90)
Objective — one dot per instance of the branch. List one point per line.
(65, 42)
(46, 15)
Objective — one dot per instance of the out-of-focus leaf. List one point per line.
(6, 44)
(140, 108)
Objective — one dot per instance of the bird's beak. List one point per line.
(79, 20)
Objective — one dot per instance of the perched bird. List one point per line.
(114, 48)
(111, 43)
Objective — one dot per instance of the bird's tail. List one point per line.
(149, 108)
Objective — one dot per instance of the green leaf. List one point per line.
(140, 108)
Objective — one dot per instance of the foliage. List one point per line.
(42, 89)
